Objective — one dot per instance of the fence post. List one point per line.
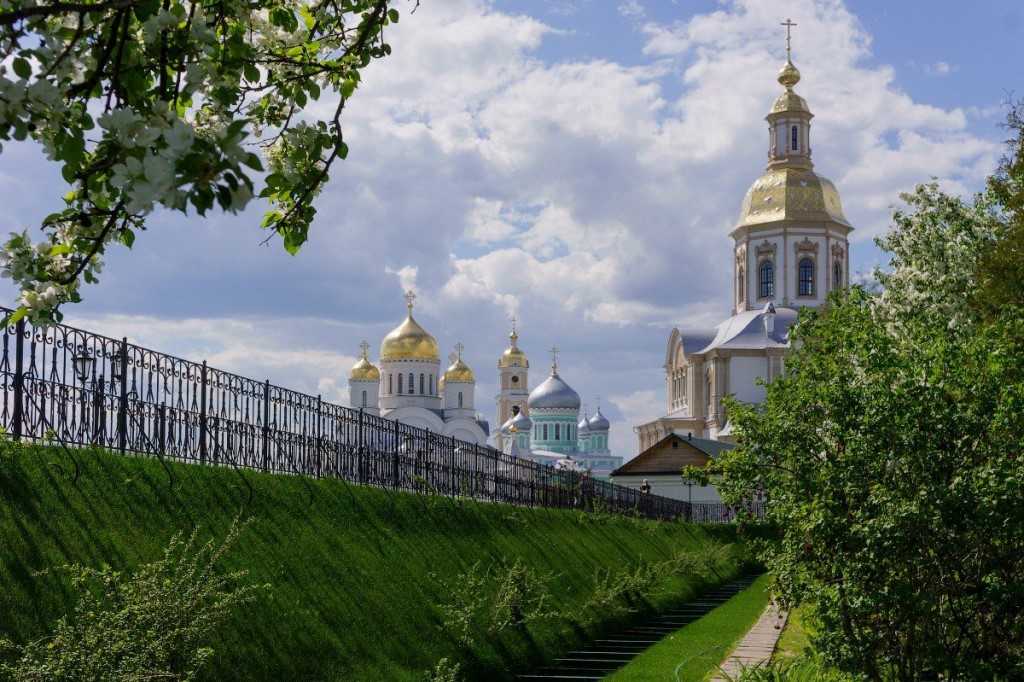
(394, 457)
(122, 403)
(162, 428)
(19, 378)
(266, 425)
(202, 417)
(359, 452)
(316, 449)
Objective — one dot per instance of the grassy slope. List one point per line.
(353, 597)
(702, 645)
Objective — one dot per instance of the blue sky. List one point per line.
(576, 162)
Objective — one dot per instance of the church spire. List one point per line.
(790, 119)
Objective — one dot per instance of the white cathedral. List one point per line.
(790, 249)
(409, 387)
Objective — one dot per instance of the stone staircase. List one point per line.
(607, 655)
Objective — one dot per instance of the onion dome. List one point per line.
(364, 370)
(517, 423)
(513, 357)
(789, 75)
(459, 371)
(598, 422)
(791, 194)
(583, 427)
(409, 341)
(554, 392)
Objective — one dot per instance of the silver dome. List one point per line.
(583, 426)
(598, 422)
(554, 392)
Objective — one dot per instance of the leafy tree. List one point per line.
(179, 104)
(891, 450)
(153, 624)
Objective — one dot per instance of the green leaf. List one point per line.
(252, 74)
(393, 16)
(22, 68)
(14, 317)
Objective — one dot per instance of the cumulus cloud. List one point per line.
(590, 195)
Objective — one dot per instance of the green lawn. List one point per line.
(794, 641)
(353, 596)
(697, 649)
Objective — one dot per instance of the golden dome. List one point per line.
(790, 101)
(364, 370)
(513, 357)
(459, 371)
(409, 341)
(791, 194)
(789, 75)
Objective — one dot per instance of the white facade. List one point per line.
(410, 388)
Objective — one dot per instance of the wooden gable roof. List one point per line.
(669, 455)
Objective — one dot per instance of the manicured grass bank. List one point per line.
(699, 648)
(356, 573)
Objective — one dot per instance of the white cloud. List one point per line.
(632, 9)
(939, 69)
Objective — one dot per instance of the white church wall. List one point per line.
(671, 486)
(466, 430)
(744, 372)
(417, 416)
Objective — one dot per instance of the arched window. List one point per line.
(400, 383)
(766, 275)
(391, 385)
(558, 434)
(741, 286)
(460, 398)
(794, 138)
(431, 384)
(422, 383)
(545, 432)
(364, 398)
(837, 274)
(805, 272)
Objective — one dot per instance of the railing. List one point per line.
(82, 388)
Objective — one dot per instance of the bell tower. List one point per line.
(513, 383)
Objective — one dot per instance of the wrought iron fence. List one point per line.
(87, 389)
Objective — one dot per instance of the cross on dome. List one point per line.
(365, 347)
(410, 298)
(788, 23)
(458, 349)
(554, 358)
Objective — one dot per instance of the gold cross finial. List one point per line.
(554, 358)
(788, 23)
(459, 348)
(513, 318)
(366, 349)
(410, 298)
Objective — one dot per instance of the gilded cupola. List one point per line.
(364, 370)
(459, 371)
(409, 341)
(790, 190)
(513, 356)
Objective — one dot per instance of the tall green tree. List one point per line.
(892, 451)
(179, 104)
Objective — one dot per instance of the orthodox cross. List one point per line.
(410, 298)
(788, 23)
(513, 318)
(597, 401)
(365, 348)
(554, 358)
(459, 348)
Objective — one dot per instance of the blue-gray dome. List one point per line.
(554, 392)
(582, 427)
(598, 422)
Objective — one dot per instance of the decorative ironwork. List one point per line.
(84, 389)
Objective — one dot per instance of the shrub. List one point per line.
(154, 623)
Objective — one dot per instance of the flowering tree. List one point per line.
(174, 103)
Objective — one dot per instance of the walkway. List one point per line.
(757, 646)
(607, 655)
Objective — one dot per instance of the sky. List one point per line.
(576, 163)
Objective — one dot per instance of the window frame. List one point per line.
(766, 286)
(811, 270)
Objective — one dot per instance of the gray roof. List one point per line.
(554, 392)
(711, 448)
(746, 330)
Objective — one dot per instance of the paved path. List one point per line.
(757, 646)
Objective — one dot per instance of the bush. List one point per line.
(154, 623)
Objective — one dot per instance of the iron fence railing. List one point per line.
(83, 388)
